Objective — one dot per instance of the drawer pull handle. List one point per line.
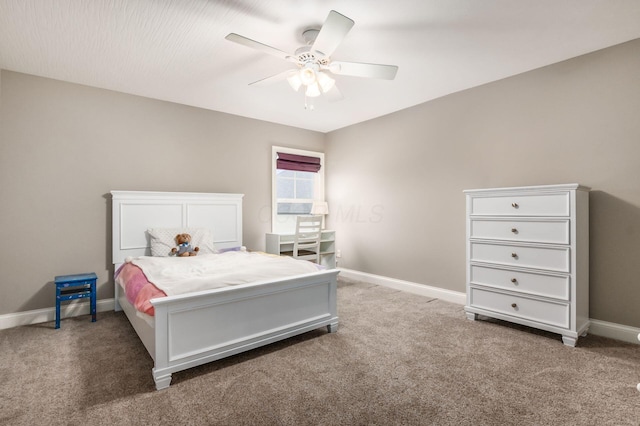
(515, 205)
(514, 255)
(513, 280)
(514, 230)
(513, 305)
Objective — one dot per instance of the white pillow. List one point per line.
(164, 239)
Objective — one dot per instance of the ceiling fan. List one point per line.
(314, 63)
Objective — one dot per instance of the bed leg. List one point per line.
(332, 328)
(162, 382)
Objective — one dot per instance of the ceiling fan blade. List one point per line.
(236, 38)
(333, 31)
(356, 69)
(334, 95)
(273, 79)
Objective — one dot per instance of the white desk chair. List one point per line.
(306, 243)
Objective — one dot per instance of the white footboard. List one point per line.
(197, 328)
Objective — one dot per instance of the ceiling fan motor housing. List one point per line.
(309, 36)
(304, 54)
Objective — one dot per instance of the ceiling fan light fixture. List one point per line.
(325, 82)
(294, 80)
(313, 90)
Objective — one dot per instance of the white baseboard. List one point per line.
(410, 287)
(597, 328)
(614, 331)
(72, 309)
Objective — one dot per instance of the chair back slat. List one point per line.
(306, 243)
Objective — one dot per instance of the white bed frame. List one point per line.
(196, 328)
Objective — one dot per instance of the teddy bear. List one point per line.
(184, 246)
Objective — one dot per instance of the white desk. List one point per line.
(280, 243)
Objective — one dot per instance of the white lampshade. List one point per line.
(320, 207)
(307, 76)
(313, 90)
(325, 82)
(294, 80)
(315, 81)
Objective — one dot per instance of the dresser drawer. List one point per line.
(522, 205)
(555, 286)
(534, 231)
(549, 258)
(555, 314)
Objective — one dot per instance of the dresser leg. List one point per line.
(471, 316)
(569, 341)
(162, 382)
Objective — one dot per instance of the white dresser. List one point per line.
(528, 257)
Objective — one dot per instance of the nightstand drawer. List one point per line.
(549, 258)
(554, 286)
(555, 314)
(522, 205)
(533, 231)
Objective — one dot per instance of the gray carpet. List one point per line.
(397, 359)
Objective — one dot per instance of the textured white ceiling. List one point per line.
(176, 51)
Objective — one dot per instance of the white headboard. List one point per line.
(136, 211)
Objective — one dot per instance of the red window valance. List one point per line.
(298, 163)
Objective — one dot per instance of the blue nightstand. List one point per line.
(79, 286)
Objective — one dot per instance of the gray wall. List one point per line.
(395, 183)
(63, 147)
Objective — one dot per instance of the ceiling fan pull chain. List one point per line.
(308, 103)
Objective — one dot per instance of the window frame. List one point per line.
(318, 184)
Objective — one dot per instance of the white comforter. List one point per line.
(207, 271)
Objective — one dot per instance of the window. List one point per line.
(297, 183)
(295, 191)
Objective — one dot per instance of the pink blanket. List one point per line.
(138, 289)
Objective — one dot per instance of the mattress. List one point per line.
(145, 278)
